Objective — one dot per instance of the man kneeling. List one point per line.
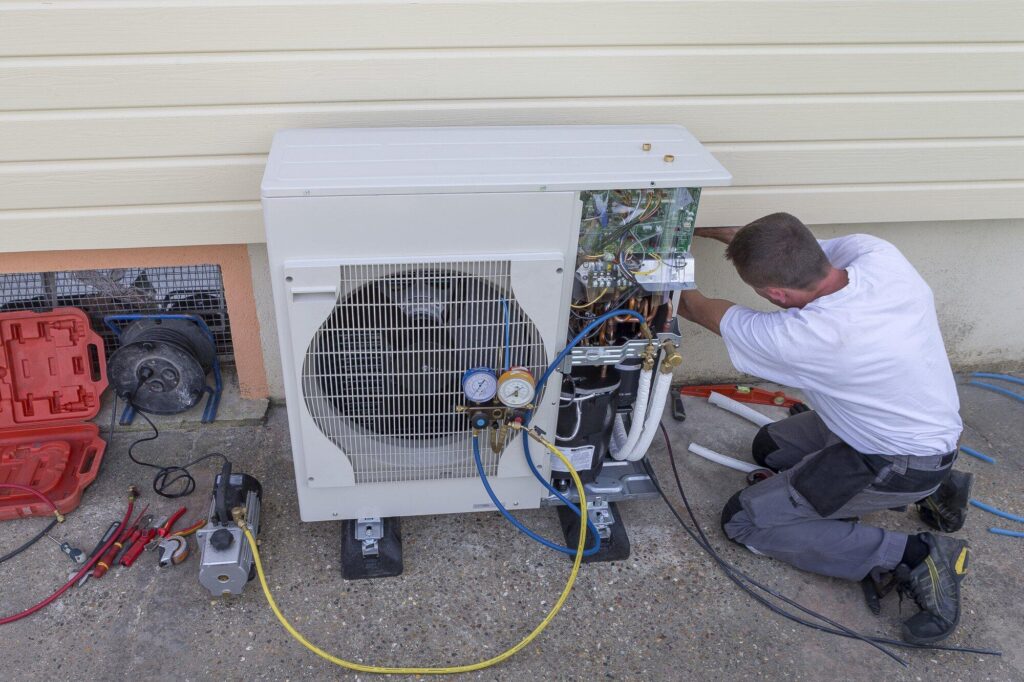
(859, 336)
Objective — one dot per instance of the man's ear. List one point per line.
(779, 296)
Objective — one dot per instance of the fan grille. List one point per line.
(382, 376)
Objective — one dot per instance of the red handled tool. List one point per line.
(134, 550)
(109, 557)
(165, 529)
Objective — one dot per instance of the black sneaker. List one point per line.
(935, 585)
(946, 508)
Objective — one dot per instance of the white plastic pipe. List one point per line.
(660, 395)
(619, 435)
(636, 428)
(724, 460)
(739, 409)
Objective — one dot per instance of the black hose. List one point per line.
(34, 540)
(741, 579)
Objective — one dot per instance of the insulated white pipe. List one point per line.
(636, 428)
(661, 388)
(619, 435)
(739, 409)
(724, 460)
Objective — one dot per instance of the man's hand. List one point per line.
(722, 234)
(707, 312)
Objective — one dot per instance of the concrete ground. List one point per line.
(473, 586)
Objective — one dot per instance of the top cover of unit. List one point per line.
(360, 161)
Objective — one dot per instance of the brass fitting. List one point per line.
(650, 352)
(60, 517)
(672, 357)
(238, 514)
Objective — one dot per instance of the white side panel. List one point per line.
(308, 238)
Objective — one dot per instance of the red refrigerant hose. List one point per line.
(86, 567)
(32, 491)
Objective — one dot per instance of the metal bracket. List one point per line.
(601, 516)
(611, 355)
(369, 531)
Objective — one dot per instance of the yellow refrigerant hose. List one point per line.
(470, 667)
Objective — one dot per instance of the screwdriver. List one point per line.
(111, 531)
(104, 564)
(75, 554)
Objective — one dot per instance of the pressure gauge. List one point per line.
(516, 387)
(479, 384)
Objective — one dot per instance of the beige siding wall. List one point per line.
(146, 122)
(138, 123)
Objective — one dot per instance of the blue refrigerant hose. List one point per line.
(599, 320)
(515, 522)
(592, 529)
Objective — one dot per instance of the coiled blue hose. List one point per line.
(515, 522)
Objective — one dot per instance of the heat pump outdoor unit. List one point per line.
(403, 260)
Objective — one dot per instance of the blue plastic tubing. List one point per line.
(1001, 377)
(974, 453)
(998, 512)
(997, 389)
(1003, 531)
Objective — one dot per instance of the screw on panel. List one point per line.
(669, 158)
(647, 146)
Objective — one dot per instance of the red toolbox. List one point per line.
(52, 374)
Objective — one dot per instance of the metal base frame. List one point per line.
(614, 539)
(371, 548)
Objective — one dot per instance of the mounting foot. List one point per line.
(371, 548)
(608, 519)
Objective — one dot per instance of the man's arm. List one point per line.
(722, 234)
(707, 312)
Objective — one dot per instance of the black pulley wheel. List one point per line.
(161, 366)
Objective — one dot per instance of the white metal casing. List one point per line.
(334, 197)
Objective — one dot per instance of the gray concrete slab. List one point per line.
(473, 585)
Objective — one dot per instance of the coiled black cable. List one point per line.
(744, 581)
(172, 481)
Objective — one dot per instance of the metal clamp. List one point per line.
(611, 355)
(369, 531)
(600, 514)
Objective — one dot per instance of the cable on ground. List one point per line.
(741, 579)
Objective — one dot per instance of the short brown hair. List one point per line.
(778, 251)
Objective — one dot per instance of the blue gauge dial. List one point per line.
(480, 384)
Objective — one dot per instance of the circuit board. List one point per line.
(636, 238)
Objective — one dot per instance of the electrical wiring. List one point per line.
(584, 306)
(57, 518)
(746, 583)
(382, 670)
(173, 481)
(86, 567)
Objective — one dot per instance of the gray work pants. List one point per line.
(774, 518)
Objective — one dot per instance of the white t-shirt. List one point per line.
(869, 357)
